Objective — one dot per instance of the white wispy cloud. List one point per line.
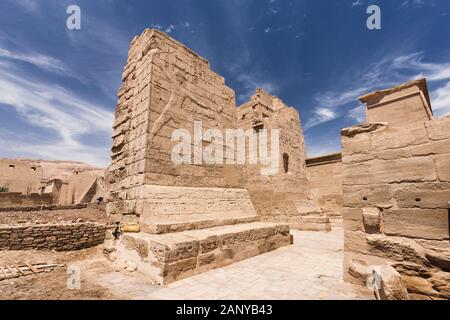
(416, 3)
(39, 60)
(54, 108)
(405, 3)
(329, 104)
(28, 5)
(440, 99)
(382, 74)
(358, 113)
(171, 27)
(249, 82)
(320, 115)
(415, 62)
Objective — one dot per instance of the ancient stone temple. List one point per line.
(396, 187)
(199, 214)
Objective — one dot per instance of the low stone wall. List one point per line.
(59, 237)
(12, 199)
(45, 208)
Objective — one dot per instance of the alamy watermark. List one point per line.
(73, 22)
(73, 278)
(241, 147)
(374, 20)
(374, 280)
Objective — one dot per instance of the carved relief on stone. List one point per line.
(178, 94)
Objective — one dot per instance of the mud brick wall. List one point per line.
(396, 186)
(11, 199)
(59, 237)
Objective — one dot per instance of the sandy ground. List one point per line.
(309, 269)
(53, 285)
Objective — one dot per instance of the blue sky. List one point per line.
(58, 87)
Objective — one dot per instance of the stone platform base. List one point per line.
(160, 227)
(312, 224)
(173, 256)
(305, 222)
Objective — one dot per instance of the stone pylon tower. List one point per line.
(195, 215)
(166, 87)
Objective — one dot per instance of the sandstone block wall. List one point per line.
(406, 103)
(59, 237)
(75, 189)
(396, 188)
(276, 196)
(178, 205)
(325, 180)
(171, 257)
(168, 87)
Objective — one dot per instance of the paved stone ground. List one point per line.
(310, 269)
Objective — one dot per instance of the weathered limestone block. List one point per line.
(360, 270)
(417, 223)
(398, 137)
(367, 196)
(359, 143)
(356, 242)
(438, 129)
(363, 128)
(419, 285)
(441, 283)
(397, 248)
(440, 259)
(443, 167)
(372, 220)
(422, 195)
(391, 285)
(353, 219)
(175, 256)
(434, 147)
(404, 104)
(399, 170)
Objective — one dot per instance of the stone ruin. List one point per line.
(26, 182)
(189, 218)
(389, 188)
(396, 191)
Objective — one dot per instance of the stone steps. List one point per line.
(173, 256)
(167, 226)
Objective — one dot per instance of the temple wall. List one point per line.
(396, 187)
(407, 103)
(20, 176)
(276, 196)
(168, 88)
(325, 180)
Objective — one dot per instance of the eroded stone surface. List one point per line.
(174, 256)
(395, 190)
